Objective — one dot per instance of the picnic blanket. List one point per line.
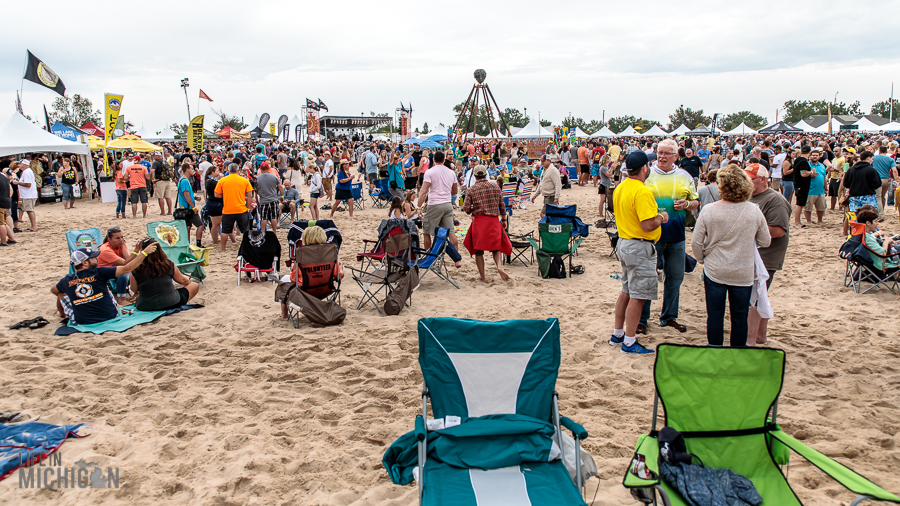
(31, 441)
(122, 322)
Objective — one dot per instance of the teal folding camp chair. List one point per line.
(495, 410)
(175, 243)
(555, 239)
(725, 402)
(89, 239)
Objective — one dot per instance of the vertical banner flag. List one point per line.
(312, 124)
(298, 133)
(287, 132)
(119, 129)
(195, 134)
(39, 73)
(19, 104)
(263, 120)
(47, 118)
(282, 123)
(829, 119)
(272, 128)
(113, 106)
(404, 125)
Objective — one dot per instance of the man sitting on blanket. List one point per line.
(85, 292)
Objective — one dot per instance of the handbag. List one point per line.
(183, 213)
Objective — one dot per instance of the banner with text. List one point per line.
(113, 106)
(195, 134)
(312, 124)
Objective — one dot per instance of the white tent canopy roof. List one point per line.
(866, 125)
(165, 135)
(603, 132)
(532, 131)
(680, 130)
(741, 129)
(18, 135)
(806, 127)
(628, 132)
(835, 126)
(580, 134)
(253, 124)
(655, 131)
(893, 126)
(143, 133)
(295, 120)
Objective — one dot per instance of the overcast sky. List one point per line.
(628, 58)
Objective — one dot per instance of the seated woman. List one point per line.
(113, 253)
(152, 282)
(312, 235)
(870, 219)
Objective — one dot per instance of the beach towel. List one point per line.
(122, 322)
(759, 294)
(34, 441)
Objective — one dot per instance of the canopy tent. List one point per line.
(780, 128)
(702, 130)
(132, 142)
(18, 135)
(412, 140)
(240, 135)
(655, 131)
(741, 129)
(514, 130)
(143, 133)
(835, 126)
(254, 125)
(680, 130)
(226, 132)
(258, 133)
(92, 129)
(95, 143)
(430, 144)
(436, 136)
(628, 132)
(893, 126)
(532, 130)
(804, 126)
(165, 135)
(581, 134)
(866, 125)
(603, 132)
(66, 130)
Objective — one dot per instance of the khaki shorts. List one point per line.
(28, 205)
(165, 190)
(815, 201)
(3, 213)
(438, 215)
(547, 200)
(638, 259)
(326, 184)
(776, 184)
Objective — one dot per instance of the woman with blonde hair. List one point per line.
(725, 240)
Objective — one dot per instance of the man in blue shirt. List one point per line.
(186, 201)
(816, 197)
(84, 295)
(371, 167)
(883, 165)
(703, 154)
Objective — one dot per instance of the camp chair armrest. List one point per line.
(369, 240)
(534, 243)
(847, 477)
(649, 448)
(577, 430)
(420, 431)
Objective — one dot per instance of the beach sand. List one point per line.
(230, 405)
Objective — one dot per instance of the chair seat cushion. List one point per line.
(534, 484)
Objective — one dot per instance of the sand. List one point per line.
(230, 405)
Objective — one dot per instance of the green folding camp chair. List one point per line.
(555, 239)
(175, 243)
(725, 401)
(497, 377)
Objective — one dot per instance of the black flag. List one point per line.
(39, 73)
(402, 109)
(47, 118)
(311, 105)
(322, 105)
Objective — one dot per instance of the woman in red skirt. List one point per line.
(484, 202)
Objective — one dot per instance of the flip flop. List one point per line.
(38, 323)
(578, 269)
(21, 324)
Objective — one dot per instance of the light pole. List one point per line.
(184, 85)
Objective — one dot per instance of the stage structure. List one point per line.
(333, 126)
(481, 92)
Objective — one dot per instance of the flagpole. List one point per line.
(22, 84)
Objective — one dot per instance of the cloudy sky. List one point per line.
(580, 57)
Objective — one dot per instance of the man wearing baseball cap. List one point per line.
(84, 295)
(550, 186)
(136, 177)
(777, 211)
(639, 223)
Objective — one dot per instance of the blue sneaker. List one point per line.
(614, 341)
(635, 349)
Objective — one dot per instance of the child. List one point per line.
(870, 218)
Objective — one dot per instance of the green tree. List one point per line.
(795, 110)
(514, 117)
(425, 129)
(754, 121)
(546, 122)
(620, 123)
(687, 117)
(76, 110)
(483, 120)
(585, 126)
(226, 120)
(178, 128)
(883, 108)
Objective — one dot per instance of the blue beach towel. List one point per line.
(122, 322)
(33, 441)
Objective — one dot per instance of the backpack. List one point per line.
(557, 268)
(167, 173)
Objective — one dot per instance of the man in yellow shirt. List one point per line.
(639, 222)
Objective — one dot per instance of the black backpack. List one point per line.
(557, 268)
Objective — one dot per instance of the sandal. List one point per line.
(38, 323)
(23, 324)
(578, 269)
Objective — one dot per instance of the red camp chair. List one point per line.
(375, 257)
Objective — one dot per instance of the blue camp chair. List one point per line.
(89, 238)
(433, 260)
(495, 410)
(561, 215)
(381, 197)
(358, 202)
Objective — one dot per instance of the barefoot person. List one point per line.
(639, 225)
(484, 202)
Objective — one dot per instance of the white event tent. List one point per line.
(655, 131)
(893, 126)
(603, 132)
(866, 125)
(806, 127)
(18, 135)
(581, 134)
(741, 129)
(532, 131)
(680, 130)
(628, 132)
(835, 126)
(252, 125)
